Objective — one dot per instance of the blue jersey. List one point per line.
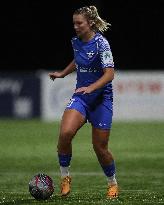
(90, 59)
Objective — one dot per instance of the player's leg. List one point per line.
(100, 140)
(100, 144)
(101, 120)
(72, 120)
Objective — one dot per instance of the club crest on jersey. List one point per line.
(107, 57)
(90, 54)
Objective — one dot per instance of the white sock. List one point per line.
(64, 171)
(112, 180)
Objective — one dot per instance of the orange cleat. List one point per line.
(65, 185)
(112, 192)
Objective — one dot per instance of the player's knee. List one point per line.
(67, 134)
(65, 139)
(99, 148)
(96, 147)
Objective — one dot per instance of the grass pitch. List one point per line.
(29, 147)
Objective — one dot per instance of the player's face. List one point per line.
(81, 25)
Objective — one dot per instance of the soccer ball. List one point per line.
(41, 186)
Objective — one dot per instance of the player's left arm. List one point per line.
(107, 77)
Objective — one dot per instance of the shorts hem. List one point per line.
(101, 128)
(67, 108)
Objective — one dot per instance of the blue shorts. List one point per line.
(99, 114)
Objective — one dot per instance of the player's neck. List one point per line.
(88, 36)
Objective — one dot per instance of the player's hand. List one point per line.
(84, 90)
(55, 75)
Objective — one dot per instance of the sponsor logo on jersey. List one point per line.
(85, 69)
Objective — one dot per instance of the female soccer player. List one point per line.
(93, 97)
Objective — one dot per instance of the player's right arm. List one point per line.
(61, 74)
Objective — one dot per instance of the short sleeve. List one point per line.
(105, 52)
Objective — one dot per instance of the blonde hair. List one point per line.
(91, 14)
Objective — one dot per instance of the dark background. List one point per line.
(36, 34)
